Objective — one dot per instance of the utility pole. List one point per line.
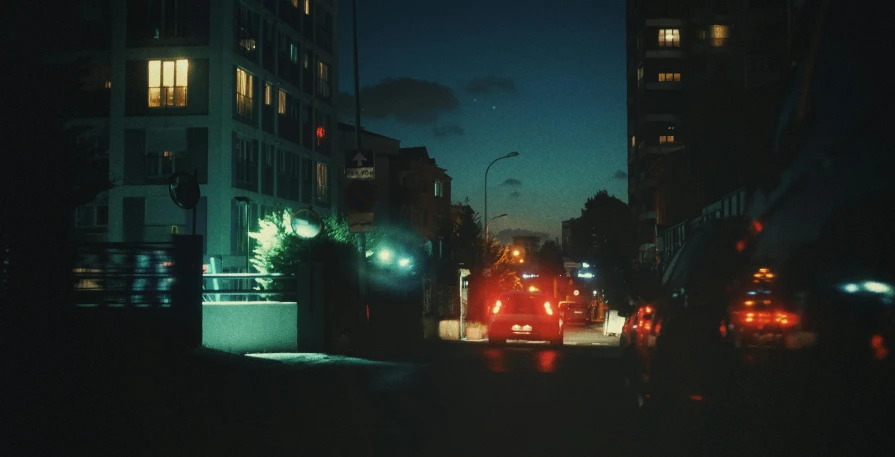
(362, 237)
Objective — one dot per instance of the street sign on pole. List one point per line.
(360, 222)
(360, 196)
(359, 164)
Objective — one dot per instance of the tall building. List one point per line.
(704, 81)
(238, 92)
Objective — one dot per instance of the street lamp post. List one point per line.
(488, 225)
(512, 154)
(246, 201)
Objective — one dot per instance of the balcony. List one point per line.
(663, 53)
(661, 149)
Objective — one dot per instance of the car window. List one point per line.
(522, 304)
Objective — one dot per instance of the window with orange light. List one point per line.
(168, 81)
(720, 34)
(669, 77)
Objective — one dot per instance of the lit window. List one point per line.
(639, 76)
(719, 35)
(323, 79)
(439, 188)
(322, 182)
(666, 139)
(268, 94)
(168, 82)
(669, 77)
(633, 141)
(307, 7)
(108, 84)
(669, 38)
(281, 102)
(245, 105)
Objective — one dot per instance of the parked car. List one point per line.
(530, 316)
(573, 312)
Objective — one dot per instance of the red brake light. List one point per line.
(548, 308)
(496, 307)
(648, 310)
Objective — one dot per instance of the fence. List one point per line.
(127, 294)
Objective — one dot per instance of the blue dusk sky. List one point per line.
(472, 80)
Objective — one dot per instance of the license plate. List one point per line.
(521, 328)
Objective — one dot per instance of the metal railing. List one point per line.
(245, 288)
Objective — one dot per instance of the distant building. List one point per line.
(567, 234)
(238, 92)
(386, 152)
(529, 243)
(425, 192)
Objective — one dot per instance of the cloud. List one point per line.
(491, 84)
(407, 100)
(512, 182)
(619, 174)
(447, 130)
(516, 194)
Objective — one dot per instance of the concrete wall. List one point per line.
(245, 328)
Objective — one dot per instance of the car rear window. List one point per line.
(522, 304)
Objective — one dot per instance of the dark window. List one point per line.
(307, 180)
(246, 31)
(167, 22)
(269, 48)
(245, 163)
(267, 169)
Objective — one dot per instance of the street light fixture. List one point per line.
(246, 201)
(512, 154)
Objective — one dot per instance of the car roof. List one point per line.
(523, 292)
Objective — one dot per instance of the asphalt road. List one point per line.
(450, 399)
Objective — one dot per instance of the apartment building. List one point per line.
(704, 81)
(238, 92)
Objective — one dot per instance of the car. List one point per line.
(530, 316)
(573, 311)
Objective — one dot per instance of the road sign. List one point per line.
(360, 196)
(360, 222)
(359, 164)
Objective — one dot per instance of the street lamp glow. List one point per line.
(404, 262)
(585, 265)
(516, 253)
(386, 255)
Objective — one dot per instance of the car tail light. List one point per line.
(548, 308)
(496, 307)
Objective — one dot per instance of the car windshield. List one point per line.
(522, 304)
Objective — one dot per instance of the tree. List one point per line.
(466, 238)
(606, 235)
(549, 259)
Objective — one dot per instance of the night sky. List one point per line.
(472, 80)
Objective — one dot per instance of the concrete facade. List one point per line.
(241, 92)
